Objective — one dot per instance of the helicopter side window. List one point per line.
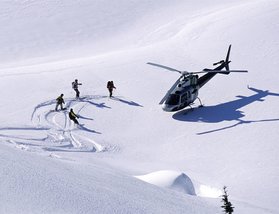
(173, 99)
(192, 80)
(183, 78)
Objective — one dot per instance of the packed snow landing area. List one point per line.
(129, 156)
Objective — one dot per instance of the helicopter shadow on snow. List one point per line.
(228, 111)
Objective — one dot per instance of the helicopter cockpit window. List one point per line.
(173, 99)
(183, 78)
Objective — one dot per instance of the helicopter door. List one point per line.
(185, 97)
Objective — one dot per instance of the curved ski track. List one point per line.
(55, 131)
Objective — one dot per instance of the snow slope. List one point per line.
(51, 166)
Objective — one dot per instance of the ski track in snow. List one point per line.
(57, 133)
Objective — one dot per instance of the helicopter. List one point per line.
(185, 90)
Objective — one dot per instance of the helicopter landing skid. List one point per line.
(201, 105)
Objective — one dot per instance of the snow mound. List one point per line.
(170, 179)
(208, 191)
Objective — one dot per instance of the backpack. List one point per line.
(59, 99)
(73, 85)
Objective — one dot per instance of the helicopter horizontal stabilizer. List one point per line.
(238, 71)
(223, 72)
(233, 71)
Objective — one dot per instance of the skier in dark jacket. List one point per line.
(59, 102)
(75, 85)
(73, 116)
(110, 87)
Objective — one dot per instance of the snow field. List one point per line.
(52, 166)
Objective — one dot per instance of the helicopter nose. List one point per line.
(166, 107)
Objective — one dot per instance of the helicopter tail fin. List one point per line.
(227, 58)
(227, 61)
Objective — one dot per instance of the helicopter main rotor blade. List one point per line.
(237, 71)
(169, 91)
(195, 72)
(218, 71)
(165, 67)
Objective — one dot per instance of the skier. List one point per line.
(110, 87)
(73, 116)
(75, 85)
(59, 102)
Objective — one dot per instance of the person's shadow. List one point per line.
(131, 103)
(88, 99)
(228, 111)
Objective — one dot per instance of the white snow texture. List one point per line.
(128, 155)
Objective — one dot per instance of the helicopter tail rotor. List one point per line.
(225, 62)
(227, 59)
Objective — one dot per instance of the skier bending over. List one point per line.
(73, 116)
(110, 87)
(75, 85)
(59, 102)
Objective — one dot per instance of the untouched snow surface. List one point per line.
(129, 156)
